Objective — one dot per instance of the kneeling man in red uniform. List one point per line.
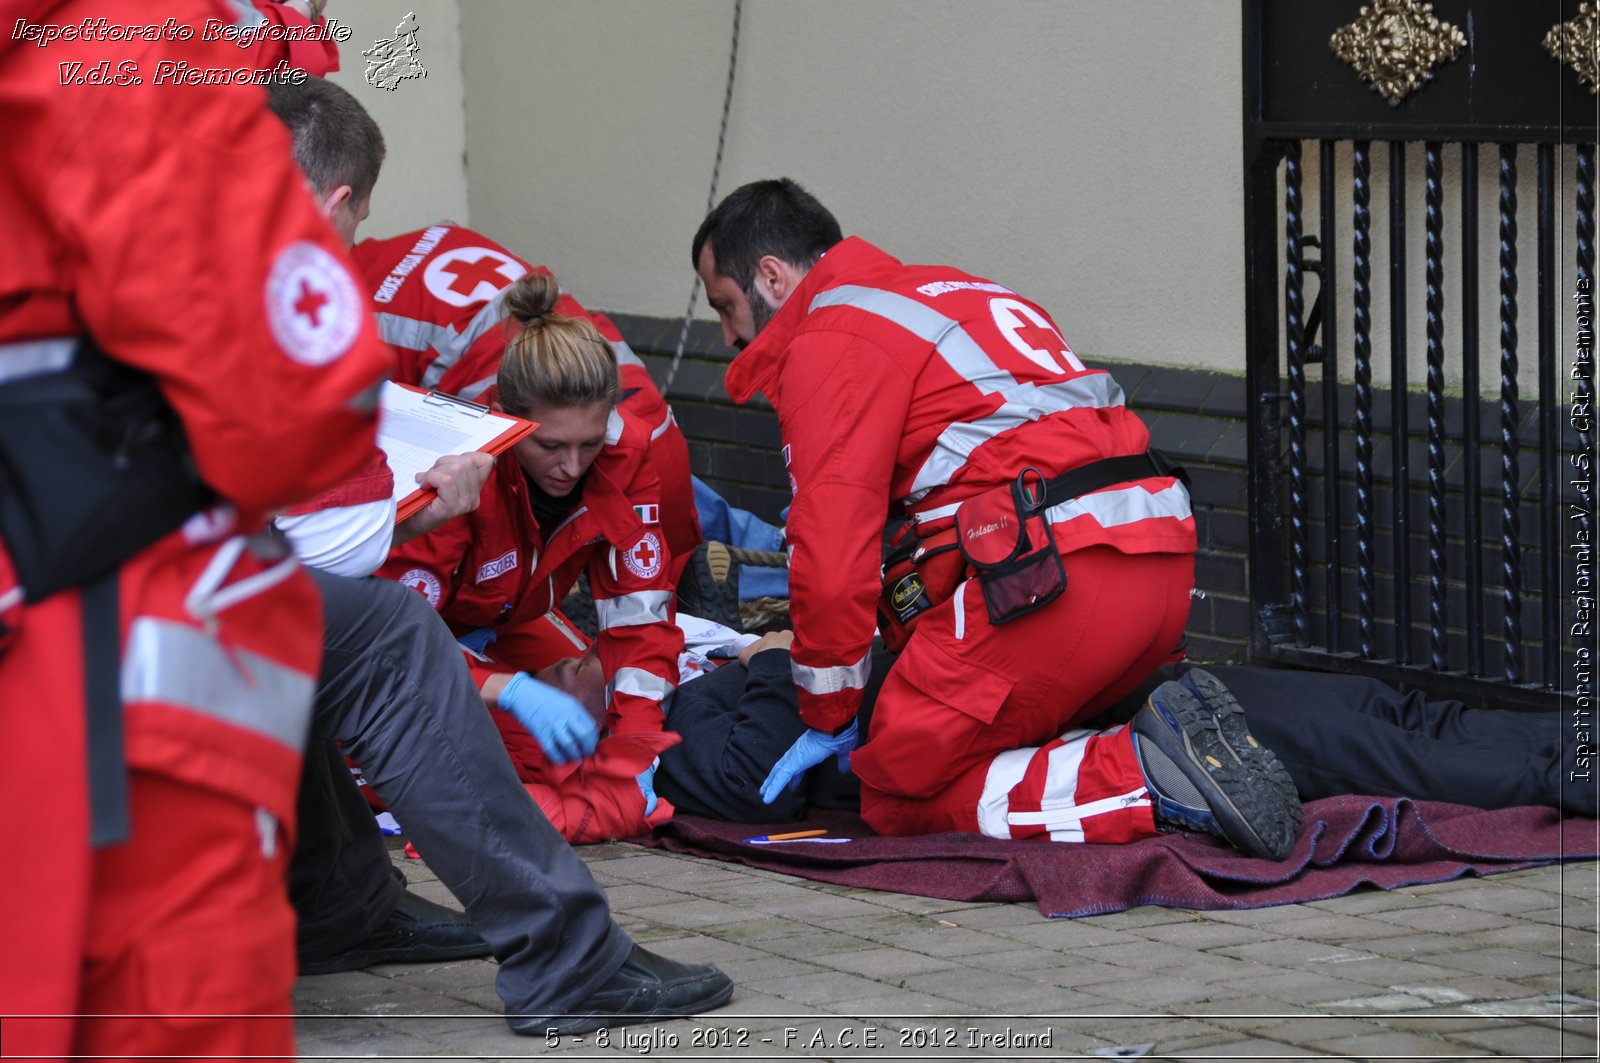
(1043, 570)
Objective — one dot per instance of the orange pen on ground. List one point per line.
(791, 836)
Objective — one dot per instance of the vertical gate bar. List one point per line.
(1332, 506)
(1361, 250)
(1294, 329)
(1398, 394)
(1262, 357)
(1438, 615)
(1471, 431)
(1549, 427)
(1510, 517)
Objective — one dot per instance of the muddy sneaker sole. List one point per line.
(709, 588)
(1247, 796)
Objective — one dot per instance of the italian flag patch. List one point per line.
(648, 514)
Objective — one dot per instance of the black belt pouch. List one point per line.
(94, 467)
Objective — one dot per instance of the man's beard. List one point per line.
(761, 311)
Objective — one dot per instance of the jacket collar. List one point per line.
(605, 506)
(757, 366)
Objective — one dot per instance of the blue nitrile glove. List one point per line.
(557, 719)
(477, 641)
(809, 750)
(647, 785)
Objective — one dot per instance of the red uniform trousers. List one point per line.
(182, 936)
(967, 732)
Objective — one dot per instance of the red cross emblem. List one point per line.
(1031, 334)
(310, 302)
(468, 275)
(643, 559)
(1041, 338)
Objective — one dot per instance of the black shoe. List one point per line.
(417, 931)
(1206, 772)
(646, 986)
(709, 587)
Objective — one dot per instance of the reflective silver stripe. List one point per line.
(487, 318)
(631, 610)
(1125, 505)
(661, 429)
(624, 353)
(451, 351)
(18, 361)
(959, 350)
(640, 684)
(478, 387)
(1005, 771)
(245, 14)
(180, 665)
(1024, 403)
(414, 335)
(1071, 817)
(832, 680)
(613, 428)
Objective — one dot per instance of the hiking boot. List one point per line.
(709, 588)
(1206, 772)
(646, 986)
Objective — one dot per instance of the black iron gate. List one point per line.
(1436, 520)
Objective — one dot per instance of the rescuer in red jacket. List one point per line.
(151, 862)
(579, 496)
(439, 298)
(1029, 598)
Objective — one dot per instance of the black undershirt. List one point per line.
(549, 511)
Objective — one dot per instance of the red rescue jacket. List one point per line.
(904, 389)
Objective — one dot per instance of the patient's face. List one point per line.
(582, 678)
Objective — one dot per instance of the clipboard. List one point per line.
(417, 427)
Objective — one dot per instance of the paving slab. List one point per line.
(1497, 965)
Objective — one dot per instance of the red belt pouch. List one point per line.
(1006, 538)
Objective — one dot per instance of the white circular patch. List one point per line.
(313, 306)
(420, 579)
(467, 275)
(643, 558)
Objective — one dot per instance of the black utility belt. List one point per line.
(1108, 472)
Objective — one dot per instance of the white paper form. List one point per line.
(417, 428)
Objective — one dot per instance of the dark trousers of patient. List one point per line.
(1336, 734)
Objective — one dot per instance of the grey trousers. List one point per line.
(397, 696)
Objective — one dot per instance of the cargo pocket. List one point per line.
(932, 721)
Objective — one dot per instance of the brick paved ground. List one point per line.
(1496, 967)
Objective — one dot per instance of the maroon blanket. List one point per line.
(1346, 842)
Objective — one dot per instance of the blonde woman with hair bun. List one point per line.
(579, 494)
(440, 293)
